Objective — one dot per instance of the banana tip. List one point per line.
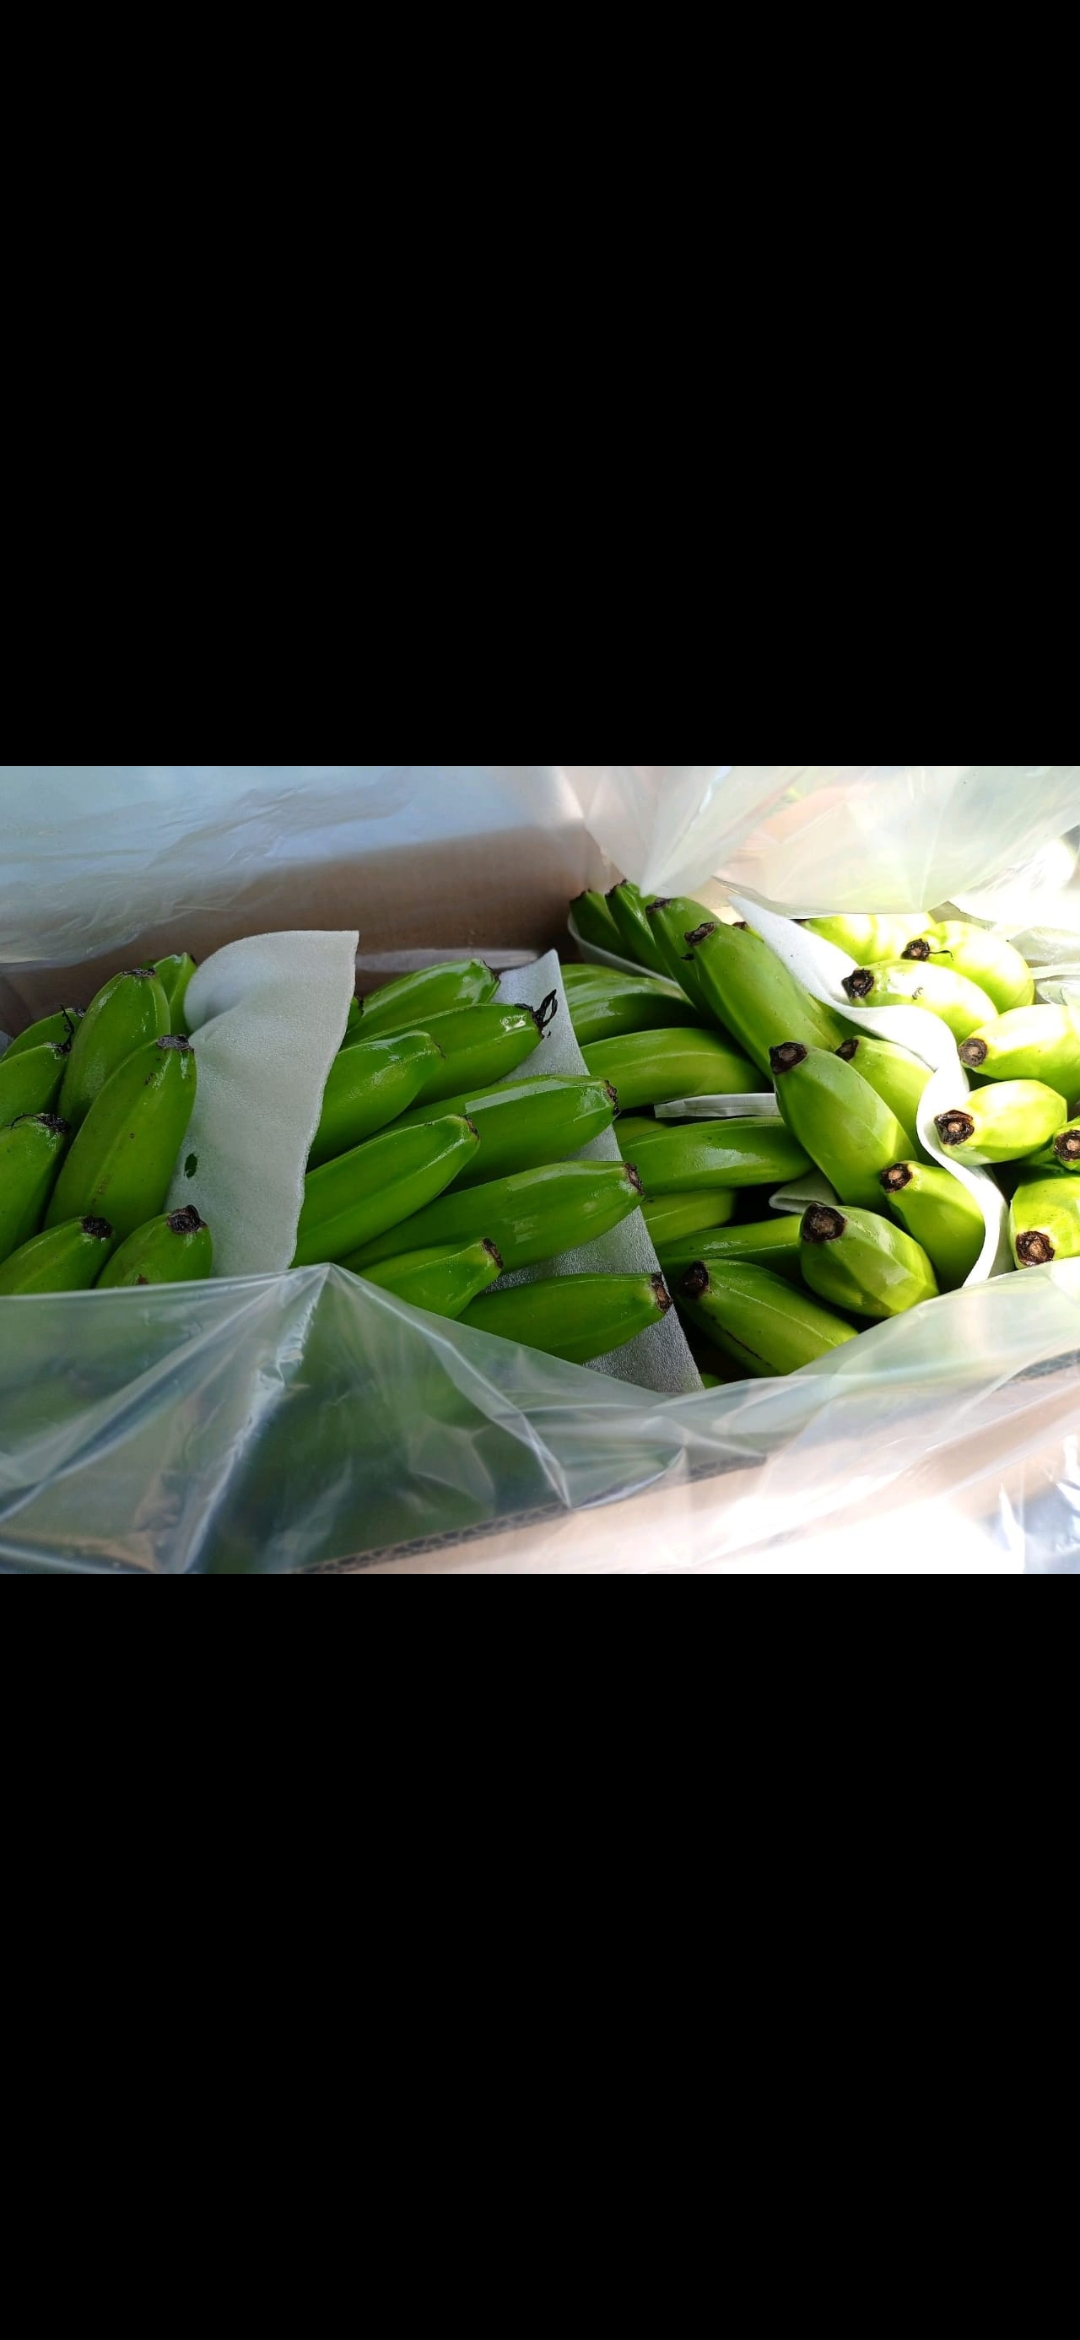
(187, 1222)
(1035, 1250)
(1067, 1147)
(663, 1296)
(634, 1178)
(895, 1180)
(861, 984)
(823, 1225)
(701, 934)
(849, 1050)
(98, 1229)
(494, 1253)
(789, 1057)
(174, 1041)
(955, 1129)
(918, 950)
(974, 1054)
(695, 1283)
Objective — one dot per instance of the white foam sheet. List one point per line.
(267, 1018)
(658, 1359)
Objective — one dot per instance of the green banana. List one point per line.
(123, 1158)
(986, 959)
(900, 983)
(174, 975)
(870, 940)
(672, 1218)
(596, 926)
(31, 1084)
(1062, 1155)
(1029, 1044)
(582, 974)
(768, 1327)
(354, 1026)
(577, 1318)
(932, 1207)
(479, 1046)
(177, 1249)
(67, 1259)
(900, 1079)
(773, 1244)
(535, 1216)
(749, 990)
(839, 1119)
(1045, 1222)
(30, 1155)
(630, 913)
(127, 1014)
(687, 1155)
(52, 1032)
(409, 1004)
(351, 1202)
(443, 1280)
(863, 1263)
(607, 1014)
(673, 921)
(630, 1131)
(369, 1087)
(1006, 1122)
(654, 1068)
(524, 1124)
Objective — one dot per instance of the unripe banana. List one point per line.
(862, 1263)
(409, 1004)
(351, 1202)
(648, 1006)
(1006, 1122)
(1062, 1156)
(128, 1013)
(177, 1249)
(577, 1318)
(30, 1083)
(582, 975)
(123, 1158)
(985, 959)
(596, 926)
(933, 1208)
(871, 940)
(536, 1216)
(479, 1046)
(174, 975)
(774, 1244)
(673, 921)
(902, 983)
(30, 1156)
(355, 1034)
(749, 990)
(767, 1325)
(674, 1218)
(52, 1032)
(1029, 1044)
(629, 910)
(682, 1158)
(630, 1131)
(66, 1259)
(839, 1119)
(653, 1068)
(368, 1088)
(443, 1280)
(1045, 1222)
(524, 1124)
(900, 1079)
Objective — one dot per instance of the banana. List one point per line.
(607, 1014)
(653, 1068)
(630, 1131)
(124, 1155)
(901, 983)
(351, 1202)
(986, 959)
(750, 992)
(31, 1084)
(577, 1318)
(630, 913)
(1029, 1044)
(524, 1124)
(596, 925)
(480, 1046)
(128, 1013)
(1061, 1156)
(870, 940)
(774, 1244)
(1045, 1222)
(67, 1259)
(932, 1207)
(53, 1032)
(354, 1027)
(30, 1156)
(862, 1263)
(765, 1324)
(174, 975)
(899, 1078)
(580, 974)
(368, 1087)
(409, 1004)
(839, 1120)
(443, 1280)
(689, 1155)
(1008, 1121)
(178, 1249)
(675, 1217)
(673, 921)
(535, 1216)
